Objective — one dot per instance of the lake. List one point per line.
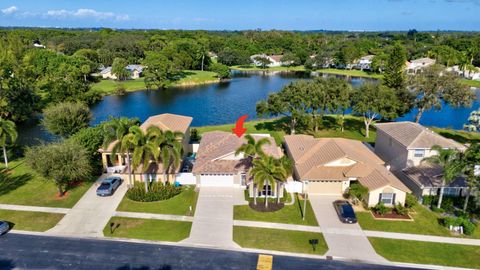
(223, 103)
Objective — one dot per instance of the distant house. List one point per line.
(327, 166)
(467, 74)
(328, 62)
(275, 60)
(365, 63)
(135, 72)
(37, 44)
(415, 66)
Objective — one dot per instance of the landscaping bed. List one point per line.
(279, 240)
(148, 229)
(30, 221)
(260, 207)
(391, 216)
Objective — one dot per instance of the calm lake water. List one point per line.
(223, 103)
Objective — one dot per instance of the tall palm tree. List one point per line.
(449, 160)
(145, 147)
(253, 148)
(8, 135)
(470, 160)
(286, 164)
(171, 150)
(114, 132)
(266, 171)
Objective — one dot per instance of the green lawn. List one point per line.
(471, 83)
(255, 68)
(188, 77)
(21, 185)
(425, 222)
(30, 221)
(427, 252)
(280, 240)
(351, 72)
(460, 136)
(290, 214)
(178, 205)
(148, 229)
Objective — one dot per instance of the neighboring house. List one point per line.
(328, 62)
(404, 145)
(365, 62)
(276, 60)
(328, 166)
(135, 72)
(37, 44)
(415, 66)
(165, 122)
(217, 165)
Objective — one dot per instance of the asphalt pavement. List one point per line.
(19, 251)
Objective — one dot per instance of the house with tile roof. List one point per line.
(327, 166)
(217, 165)
(135, 72)
(416, 66)
(275, 60)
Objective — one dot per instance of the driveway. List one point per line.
(91, 213)
(213, 219)
(344, 240)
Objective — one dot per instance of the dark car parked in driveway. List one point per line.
(4, 227)
(345, 211)
(109, 185)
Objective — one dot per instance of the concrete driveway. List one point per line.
(344, 240)
(213, 219)
(91, 213)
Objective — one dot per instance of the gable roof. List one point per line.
(312, 159)
(217, 144)
(430, 175)
(424, 60)
(413, 135)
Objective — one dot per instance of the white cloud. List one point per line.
(9, 10)
(83, 13)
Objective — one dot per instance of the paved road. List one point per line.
(343, 240)
(41, 252)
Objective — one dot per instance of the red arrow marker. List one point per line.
(239, 130)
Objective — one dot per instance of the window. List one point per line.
(419, 153)
(450, 191)
(387, 198)
(263, 192)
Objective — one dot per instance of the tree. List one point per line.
(340, 94)
(292, 59)
(113, 132)
(62, 162)
(449, 160)
(232, 57)
(434, 85)
(394, 77)
(119, 68)
(266, 171)
(316, 97)
(66, 118)
(470, 160)
(223, 72)
(145, 147)
(374, 102)
(159, 70)
(8, 135)
(253, 148)
(171, 150)
(263, 61)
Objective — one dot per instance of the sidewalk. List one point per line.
(34, 208)
(424, 238)
(153, 216)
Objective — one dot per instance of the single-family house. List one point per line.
(217, 165)
(365, 63)
(415, 66)
(37, 44)
(327, 166)
(275, 60)
(165, 122)
(135, 72)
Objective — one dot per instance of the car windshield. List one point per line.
(105, 185)
(348, 211)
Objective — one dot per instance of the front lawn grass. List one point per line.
(30, 221)
(148, 229)
(290, 214)
(424, 222)
(178, 205)
(21, 185)
(280, 240)
(427, 252)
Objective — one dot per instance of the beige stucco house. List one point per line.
(165, 122)
(327, 166)
(135, 72)
(217, 165)
(416, 66)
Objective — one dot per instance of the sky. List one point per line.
(365, 15)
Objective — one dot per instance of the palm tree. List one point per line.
(286, 164)
(8, 135)
(144, 145)
(266, 171)
(114, 132)
(470, 160)
(171, 149)
(253, 148)
(449, 159)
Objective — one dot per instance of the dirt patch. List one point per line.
(59, 198)
(272, 207)
(392, 216)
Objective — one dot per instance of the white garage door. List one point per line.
(216, 180)
(325, 187)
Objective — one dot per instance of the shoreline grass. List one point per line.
(255, 68)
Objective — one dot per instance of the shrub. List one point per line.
(356, 190)
(411, 201)
(401, 210)
(428, 200)
(380, 209)
(468, 226)
(120, 90)
(157, 191)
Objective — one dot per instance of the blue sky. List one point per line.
(246, 14)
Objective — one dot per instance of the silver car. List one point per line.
(108, 186)
(4, 227)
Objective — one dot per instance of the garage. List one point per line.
(216, 180)
(326, 187)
